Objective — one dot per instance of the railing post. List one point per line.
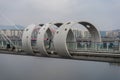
(96, 46)
(75, 44)
(85, 46)
(2, 44)
(93, 46)
(119, 45)
(107, 46)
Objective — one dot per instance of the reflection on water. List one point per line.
(16, 67)
(115, 64)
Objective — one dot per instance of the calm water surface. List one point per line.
(16, 67)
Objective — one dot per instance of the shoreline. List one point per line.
(99, 57)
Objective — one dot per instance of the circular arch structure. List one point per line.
(65, 34)
(26, 38)
(41, 37)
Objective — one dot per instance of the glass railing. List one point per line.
(18, 44)
(73, 46)
(92, 46)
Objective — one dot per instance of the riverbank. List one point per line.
(102, 57)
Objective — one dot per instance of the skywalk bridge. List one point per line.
(45, 40)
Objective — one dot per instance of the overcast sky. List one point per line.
(104, 14)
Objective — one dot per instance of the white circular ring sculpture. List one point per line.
(26, 38)
(41, 36)
(65, 33)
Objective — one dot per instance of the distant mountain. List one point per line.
(116, 30)
(11, 27)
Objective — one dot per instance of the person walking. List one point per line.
(49, 43)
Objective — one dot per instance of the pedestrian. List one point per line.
(8, 46)
(49, 43)
(13, 48)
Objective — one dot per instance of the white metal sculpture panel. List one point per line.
(41, 40)
(65, 32)
(60, 40)
(26, 39)
(63, 35)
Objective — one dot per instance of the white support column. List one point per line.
(119, 46)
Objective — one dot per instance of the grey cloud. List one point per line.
(102, 13)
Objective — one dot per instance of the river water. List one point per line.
(17, 67)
